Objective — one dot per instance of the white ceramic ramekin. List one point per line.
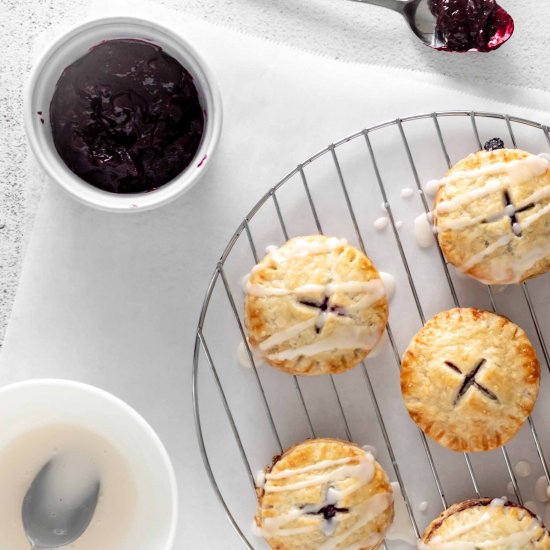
(25, 406)
(74, 44)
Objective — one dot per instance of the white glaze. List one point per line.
(515, 172)
(477, 258)
(244, 282)
(509, 210)
(259, 478)
(370, 449)
(423, 231)
(365, 512)
(432, 187)
(287, 334)
(342, 337)
(380, 347)
(523, 468)
(407, 193)
(270, 248)
(541, 489)
(389, 284)
(347, 287)
(514, 540)
(381, 223)
(244, 360)
(398, 225)
(302, 247)
(423, 506)
(401, 528)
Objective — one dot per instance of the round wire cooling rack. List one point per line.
(244, 416)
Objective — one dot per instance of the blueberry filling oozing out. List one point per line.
(493, 144)
(126, 117)
(469, 24)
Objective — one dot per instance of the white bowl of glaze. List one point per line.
(26, 406)
(74, 44)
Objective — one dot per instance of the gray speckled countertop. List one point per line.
(335, 28)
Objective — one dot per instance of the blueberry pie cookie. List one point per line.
(469, 379)
(316, 305)
(485, 523)
(324, 494)
(492, 215)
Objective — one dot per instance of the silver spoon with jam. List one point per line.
(454, 25)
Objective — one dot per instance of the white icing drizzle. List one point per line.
(260, 478)
(424, 231)
(285, 335)
(516, 171)
(541, 489)
(271, 248)
(407, 193)
(380, 347)
(365, 512)
(432, 187)
(523, 468)
(323, 465)
(514, 540)
(389, 284)
(363, 469)
(509, 210)
(245, 283)
(342, 337)
(244, 360)
(477, 258)
(373, 286)
(370, 449)
(302, 247)
(381, 223)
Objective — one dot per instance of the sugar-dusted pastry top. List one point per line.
(324, 494)
(485, 524)
(315, 305)
(492, 215)
(469, 379)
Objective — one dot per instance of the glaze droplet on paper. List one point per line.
(523, 469)
(541, 489)
(381, 223)
(423, 231)
(407, 193)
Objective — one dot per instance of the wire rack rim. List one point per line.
(243, 226)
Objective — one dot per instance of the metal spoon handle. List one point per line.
(395, 5)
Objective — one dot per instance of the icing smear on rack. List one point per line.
(361, 468)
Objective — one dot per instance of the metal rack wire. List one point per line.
(221, 281)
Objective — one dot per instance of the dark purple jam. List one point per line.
(126, 117)
(471, 24)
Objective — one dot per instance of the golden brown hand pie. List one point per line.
(316, 305)
(324, 494)
(469, 379)
(492, 215)
(485, 524)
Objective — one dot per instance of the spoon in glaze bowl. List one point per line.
(58, 506)
(483, 28)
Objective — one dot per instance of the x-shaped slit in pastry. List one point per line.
(469, 380)
(328, 511)
(514, 222)
(324, 308)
